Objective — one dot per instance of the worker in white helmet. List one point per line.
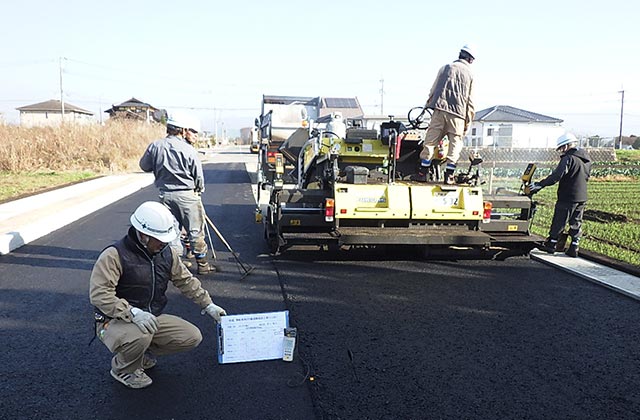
(451, 100)
(128, 291)
(180, 178)
(571, 174)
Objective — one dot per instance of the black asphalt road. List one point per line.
(382, 335)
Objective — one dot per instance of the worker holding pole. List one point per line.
(180, 178)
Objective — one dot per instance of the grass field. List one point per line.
(611, 221)
(39, 158)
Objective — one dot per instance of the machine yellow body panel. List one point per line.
(431, 202)
(372, 201)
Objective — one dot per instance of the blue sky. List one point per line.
(565, 59)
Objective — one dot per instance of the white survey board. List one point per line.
(252, 337)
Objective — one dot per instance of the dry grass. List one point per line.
(114, 147)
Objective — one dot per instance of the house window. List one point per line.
(473, 131)
(489, 131)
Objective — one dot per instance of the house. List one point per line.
(348, 107)
(137, 110)
(51, 113)
(317, 107)
(509, 127)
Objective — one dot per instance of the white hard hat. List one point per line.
(179, 119)
(566, 138)
(469, 49)
(155, 220)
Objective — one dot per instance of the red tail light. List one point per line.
(271, 157)
(486, 213)
(329, 209)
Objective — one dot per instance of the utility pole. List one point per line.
(61, 91)
(382, 96)
(621, 113)
(215, 125)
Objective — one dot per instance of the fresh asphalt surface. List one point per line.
(383, 335)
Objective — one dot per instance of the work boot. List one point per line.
(420, 177)
(136, 379)
(549, 246)
(148, 361)
(449, 179)
(572, 251)
(203, 266)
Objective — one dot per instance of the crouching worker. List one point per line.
(128, 290)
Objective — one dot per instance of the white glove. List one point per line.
(215, 311)
(534, 188)
(146, 321)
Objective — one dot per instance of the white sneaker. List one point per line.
(136, 379)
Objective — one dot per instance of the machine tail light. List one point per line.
(271, 157)
(329, 209)
(279, 162)
(486, 213)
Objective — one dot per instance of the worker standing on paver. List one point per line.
(180, 178)
(451, 100)
(571, 174)
(127, 289)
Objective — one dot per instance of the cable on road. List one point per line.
(299, 381)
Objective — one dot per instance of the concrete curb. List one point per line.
(30, 218)
(611, 278)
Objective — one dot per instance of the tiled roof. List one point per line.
(505, 113)
(133, 102)
(53, 106)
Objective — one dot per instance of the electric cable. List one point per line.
(295, 382)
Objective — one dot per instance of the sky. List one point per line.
(565, 59)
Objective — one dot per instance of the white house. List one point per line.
(50, 113)
(509, 127)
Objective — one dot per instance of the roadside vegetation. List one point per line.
(37, 158)
(612, 219)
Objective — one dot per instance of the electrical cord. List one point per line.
(301, 378)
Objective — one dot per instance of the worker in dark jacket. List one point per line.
(571, 174)
(127, 289)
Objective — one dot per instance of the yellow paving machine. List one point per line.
(340, 184)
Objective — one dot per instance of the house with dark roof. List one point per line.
(509, 127)
(135, 109)
(52, 113)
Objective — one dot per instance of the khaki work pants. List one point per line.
(444, 124)
(129, 343)
(186, 207)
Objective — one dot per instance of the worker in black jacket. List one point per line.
(571, 174)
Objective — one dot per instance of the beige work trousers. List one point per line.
(129, 343)
(444, 124)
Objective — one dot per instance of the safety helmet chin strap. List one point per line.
(144, 241)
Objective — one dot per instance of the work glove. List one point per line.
(534, 188)
(214, 311)
(146, 321)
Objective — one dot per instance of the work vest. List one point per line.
(144, 278)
